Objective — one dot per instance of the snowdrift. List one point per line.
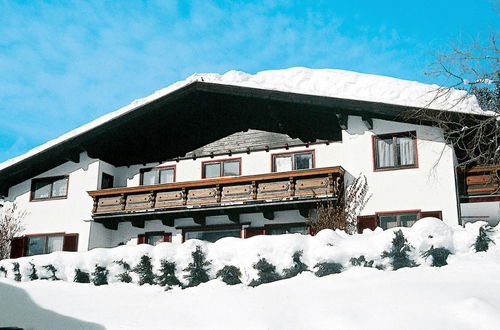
(326, 246)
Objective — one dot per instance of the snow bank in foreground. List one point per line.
(321, 82)
(461, 295)
(326, 246)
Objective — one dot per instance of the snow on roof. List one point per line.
(320, 82)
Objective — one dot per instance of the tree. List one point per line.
(145, 271)
(11, 218)
(399, 252)
(342, 214)
(198, 268)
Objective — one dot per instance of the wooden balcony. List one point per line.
(480, 183)
(229, 196)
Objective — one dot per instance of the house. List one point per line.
(241, 155)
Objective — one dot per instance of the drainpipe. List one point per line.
(457, 194)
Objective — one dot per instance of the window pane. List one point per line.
(303, 161)
(42, 189)
(385, 152)
(388, 221)
(154, 239)
(286, 230)
(59, 187)
(149, 177)
(212, 170)
(232, 167)
(406, 151)
(408, 220)
(36, 245)
(167, 175)
(54, 243)
(283, 163)
(212, 235)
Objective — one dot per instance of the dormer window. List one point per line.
(293, 161)
(157, 175)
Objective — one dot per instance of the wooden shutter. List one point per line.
(141, 239)
(434, 214)
(17, 246)
(367, 221)
(249, 232)
(167, 237)
(70, 242)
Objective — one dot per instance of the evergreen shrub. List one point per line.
(197, 269)
(483, 240)
(53, 277)
(33, 275)
(17, 273)
(167, 276)
(298, 266)
(81, 276)
(125, 276)
(229, 275)
(145, 271)
(266, 272)
(399, 252)
(100, 276)
(439, 256)
(361, 262)
(328, 268)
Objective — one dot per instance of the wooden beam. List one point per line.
(73, 156)
(368, 122)
(138, 223)
(343, 120)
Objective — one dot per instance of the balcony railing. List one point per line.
(481, 181)
(293, 186)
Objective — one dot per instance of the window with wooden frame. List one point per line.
(218, 168)
(49, 188)
(107, 181)
(30, 245)
(286, 228)
(157, 175)
(212, 234)
(403, 219)
(293, 161)
(154, 238)
(395, 151)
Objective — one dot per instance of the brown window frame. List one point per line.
(410, 134)
(50, 179)
(398, 214)
(293, 154)
(221, 171)
(157, 176)
(211, 228)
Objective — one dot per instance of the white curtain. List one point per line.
(283, 164)
(406, 150)
(385, 153)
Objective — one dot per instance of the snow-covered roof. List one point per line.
(319, 82)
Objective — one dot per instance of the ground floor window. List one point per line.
(286, 229)
(403, 219)
(41, 244)
(154, 238)
(212, 235)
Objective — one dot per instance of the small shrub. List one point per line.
(298, 266)
(81, 276)
(197, 271)
(3, 270)
(17, 274)
(328, 268)
(439, 256)
(125, 276)
(483, 240)
(50, 268)
(399, 252)
(33, 275)
(230, 275)
(267, 273)
(145, 271)
(361, 262)
(167, 276)
(100, 276)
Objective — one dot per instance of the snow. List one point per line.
(321, 82)
(461, 295)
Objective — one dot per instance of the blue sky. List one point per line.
(65, 63)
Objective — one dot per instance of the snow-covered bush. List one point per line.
(197, 269)
(298, 266)
(81, 276)
(52, 270)
(125, 276)
(439, 256)
(167, 276)
(361, 262)
(17, 273)
(483, 240)
(398, 254)
(100, 276)
(328, 268)
(266, 272)
(145, 271)
(33, 275)
(3, 270)
(230, 275)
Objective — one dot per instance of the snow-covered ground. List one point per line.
(465, 294)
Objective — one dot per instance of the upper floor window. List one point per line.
(393, 151)
(49, 188)
(293, 161)
(107, 181)
(157, 175)
(226, 167)
(391, 220)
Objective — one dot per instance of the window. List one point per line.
(154, 238)
(391, 220)
(107, 181)
(41, 244)
(293, 161)
(212, 235)
(157, 175)
(395, 151)
(226, 167)
(286, 229)
(49, 188)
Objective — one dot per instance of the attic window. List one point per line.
(49, 188)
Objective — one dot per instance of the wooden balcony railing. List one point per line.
(480, 181)
(294, 185)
